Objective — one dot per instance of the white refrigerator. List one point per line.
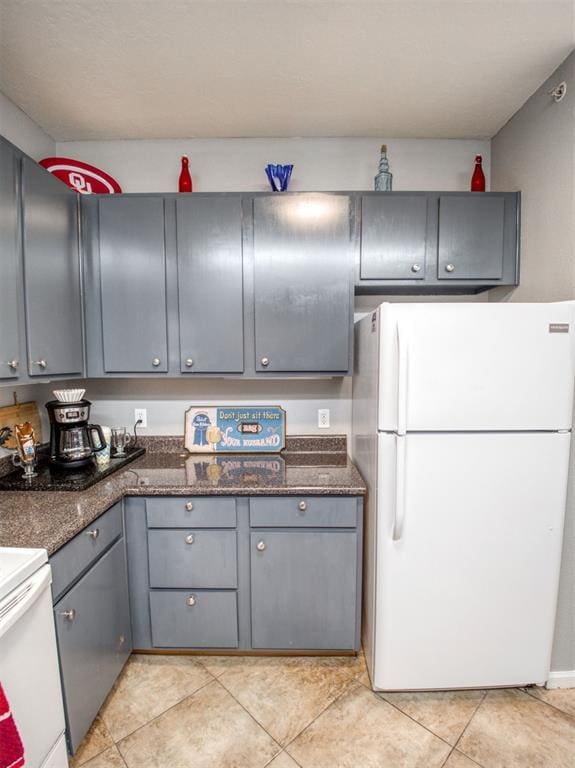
(461, 428)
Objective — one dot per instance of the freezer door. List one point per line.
(469, 536)
(481, 366)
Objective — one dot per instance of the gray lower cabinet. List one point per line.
(303, 292)
(51, 274)
(304, 589)
(286, 577)
(195, 619)
(10, 295)
(92, 618)
(210, 283)
(132, 272)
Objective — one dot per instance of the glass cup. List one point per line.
(120, 440)
(29, 465)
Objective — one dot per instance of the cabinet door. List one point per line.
(51, 274)
(471, 237)
(9, 263)
(393, 237)
(210, 285)
(133, 284)
(303, 279)
(94, 639)
(304, 587)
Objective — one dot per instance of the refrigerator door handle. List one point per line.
(399, 518)
(402, 353)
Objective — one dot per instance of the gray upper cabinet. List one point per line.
(132, 262)
(471, 237)
(210, 283)
(393, 237)
(437, 242)
(9, 263)
(51, 274)
(303, 294)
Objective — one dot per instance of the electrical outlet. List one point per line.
(141, 415)
(323, 418)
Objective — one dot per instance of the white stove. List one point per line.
(29, 675)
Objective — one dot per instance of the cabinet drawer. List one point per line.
(182, 619)
(94, 639)
(303, 511)
(193, 511)
(78, 554)
(191, 558)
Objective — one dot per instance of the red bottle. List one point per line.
(185, 180)
(478, 178)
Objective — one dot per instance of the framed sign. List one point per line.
(235, 429)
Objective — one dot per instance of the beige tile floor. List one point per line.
(316, 712)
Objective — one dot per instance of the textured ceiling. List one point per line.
(103, 69)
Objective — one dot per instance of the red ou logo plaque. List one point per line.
(84, 178)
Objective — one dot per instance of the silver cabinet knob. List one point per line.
(94, 533)
(190, 538)
(302, 506)
(416, 267)
(156, 361)
(450, 268)
(68, 615)
(189, 362)
(265, 361)
(189, 506)
(12, 364)
(191, 600)
(40, 363)
(121, 640)
(260, 546)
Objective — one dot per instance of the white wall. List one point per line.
(22, 131)
(235, 165)
(535, 152)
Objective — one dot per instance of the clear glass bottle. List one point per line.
(384, 178)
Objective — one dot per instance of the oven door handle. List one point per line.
(13, 608)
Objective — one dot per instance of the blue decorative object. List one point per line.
(279, 176)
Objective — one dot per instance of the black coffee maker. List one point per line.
(72, 438)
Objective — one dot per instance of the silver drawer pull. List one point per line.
(191, 600)
(156, 361)
(69, 615)
(189, 506)
(190, 538)
(450, 267)
(11, 364)
(302, 506)
(260, 546)
(189, 362)
(416, 267)
(265, 361)
(41, 363)
(94, 533)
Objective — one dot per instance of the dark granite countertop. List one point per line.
(50, 519)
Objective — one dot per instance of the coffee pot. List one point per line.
(73, 440)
